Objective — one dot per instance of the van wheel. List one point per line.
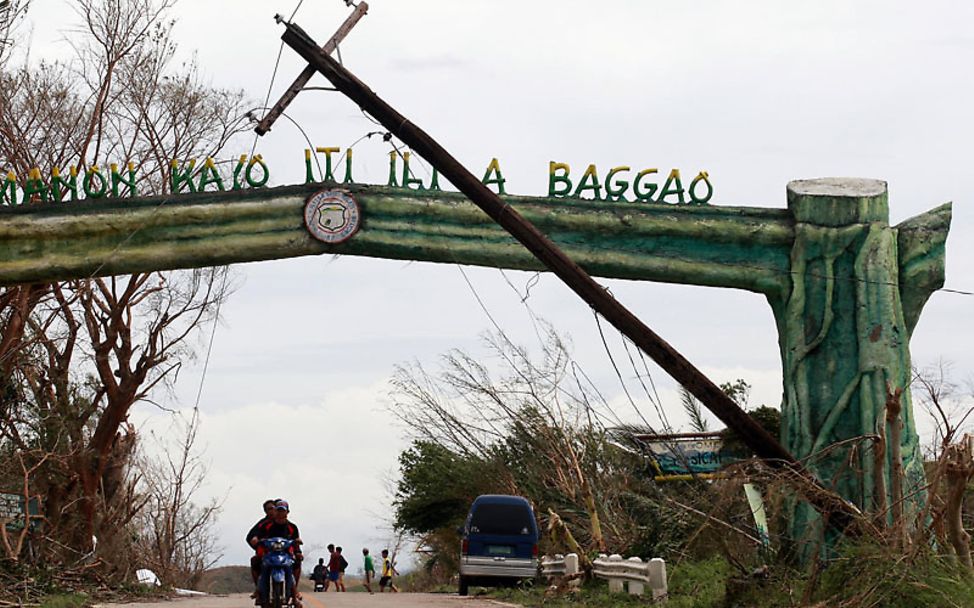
(464, 586)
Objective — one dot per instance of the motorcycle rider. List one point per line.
(279, 526)
(268, 507)
(319, 574)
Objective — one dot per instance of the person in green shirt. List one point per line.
(369, 570)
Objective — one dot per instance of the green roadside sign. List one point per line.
(13, 508)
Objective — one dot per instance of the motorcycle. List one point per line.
(277, 573)
(319, 576)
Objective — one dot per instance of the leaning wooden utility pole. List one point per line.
(305, 76)
(839, 512)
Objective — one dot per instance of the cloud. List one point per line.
(327, 458)
(442, 62)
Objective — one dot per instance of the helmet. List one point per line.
(282, 505)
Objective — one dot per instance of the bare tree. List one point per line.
(951, 410)
(96, 348)
(76, 356)
(175, 533)
(10, 13)
(949, 407)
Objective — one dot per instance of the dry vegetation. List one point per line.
(536, 427)
(76, 356)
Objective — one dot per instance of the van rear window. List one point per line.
(501, 519)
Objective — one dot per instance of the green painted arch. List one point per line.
(845, 287)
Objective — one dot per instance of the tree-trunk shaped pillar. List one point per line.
(857, 288)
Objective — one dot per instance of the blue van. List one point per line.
(499, 542)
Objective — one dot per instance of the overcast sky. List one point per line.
(755, 93)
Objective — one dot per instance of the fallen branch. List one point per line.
(561, 536)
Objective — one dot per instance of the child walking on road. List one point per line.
(388, 571)
(369, 570)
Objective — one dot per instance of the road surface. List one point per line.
(331, 600)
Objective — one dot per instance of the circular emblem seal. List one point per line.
(332, 216)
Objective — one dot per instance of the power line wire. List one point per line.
(209, 347)
(615, 367)
(270, 88)
(660, 411)
(507, 339)
(296, 8)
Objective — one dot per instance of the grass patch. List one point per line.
(66, 600)
(698, 584)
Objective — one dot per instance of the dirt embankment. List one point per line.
(228, 579)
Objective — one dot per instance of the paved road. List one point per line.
(331, 600)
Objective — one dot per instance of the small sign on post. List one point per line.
(13, 510)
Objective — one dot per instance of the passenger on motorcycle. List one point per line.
(280, 527)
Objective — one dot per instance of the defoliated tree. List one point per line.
(175, 533)
(76, 356)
